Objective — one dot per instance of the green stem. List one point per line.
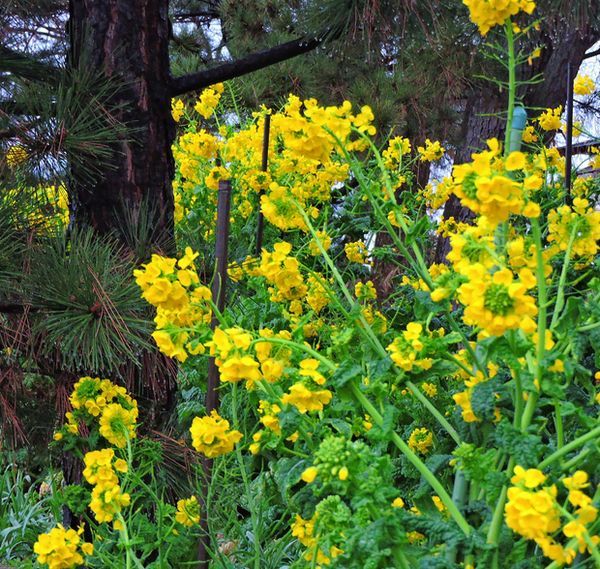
(302, 347)
(512, 83)
(560, 295)
(567, 466)
(498, 516)
(129, 555)
(430, 478)
(541, 327)
(373, 339)
(576, 443)
(246, 482)
(433, 410)
(558, 422)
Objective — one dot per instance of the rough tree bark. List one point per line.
(128, 41)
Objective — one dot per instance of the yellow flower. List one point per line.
(107, 502)
(531, 478)
(211, 435)
(487, 14)
(515, 161)
(325, 241)
(356, 252)
(208, 100)
(310, 474)
(306, 400)
(397, 148)
(235, 369)
(398, 503)
(62, 548)
(529, 135)
(188, 512)
(99, 467)
(177, 109)
(497, 302)
(421, 440)
(580, 222)
(431, 152)
(532, 514)
(16, 155)
(577, 481)
(583, 85)
(117, 424)
(429, 388)
(550, 119)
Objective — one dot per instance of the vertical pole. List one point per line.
(518, 126)
(569, 134)
(265, 163)
(219, 282)
(212, 395)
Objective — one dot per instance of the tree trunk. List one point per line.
(127, 41)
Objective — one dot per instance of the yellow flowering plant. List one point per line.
(120, 491)
(450, 422)
(453, 421)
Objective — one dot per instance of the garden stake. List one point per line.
(265, 162)
(212, 395)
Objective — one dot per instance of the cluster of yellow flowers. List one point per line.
(584, 85)
(356, 252)
(304, 162)
(230, 348)
(212, 435)
(408, 351)
(188, 512)
(304, 531)
(110, 404)
(62, 548)
(550, 119)
(305, 395)
(487, 14)
(16, 155)
(497, 302)
(535, 513)
(209, 99)
(421, 440)
(173, 287)
(578, 226)
(287, 284)
(107, 497)
(470, 380)
(489, 185)
(431, 152)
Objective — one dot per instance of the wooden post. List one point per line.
(212, 394)
(265, 163)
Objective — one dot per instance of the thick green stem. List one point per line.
(430, 478)
(512, 83)
(566, 449)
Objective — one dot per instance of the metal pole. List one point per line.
(212, 395)
(265, 163)
(569, 134)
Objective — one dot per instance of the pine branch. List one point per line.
(27, 67)
(244, 65)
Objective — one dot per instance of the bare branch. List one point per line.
(239, 67)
